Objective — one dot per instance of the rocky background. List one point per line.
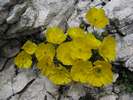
(26, 19)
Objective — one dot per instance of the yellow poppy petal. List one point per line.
(108, 48)
(63, 53)
(29, 47)
(75, 32)
(55, 35)
(23, 60)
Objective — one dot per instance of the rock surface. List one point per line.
(23, 18)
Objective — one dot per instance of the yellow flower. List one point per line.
(92, 41)
(23, 60)
(80, 49)
(100, 74)
(29, 47)
(60, 76)
(63, 53)
(45, 50)
(75, 32)
(55, 35)
(80, 70)
(108, 48)
(44, 62)
(46, 66)
(96, 17)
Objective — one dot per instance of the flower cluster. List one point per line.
(67, 57)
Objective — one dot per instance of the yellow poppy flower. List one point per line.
(80, 70)
(44, 62)
(43, 50)
(75, 32)
(55, 35)
(29, 47)
(63, 53)
(96, 17)
(80, 49)
(108, 48)
(60, 76)
(92, 41)
(23, 60)
(46, 66)
(100, 74)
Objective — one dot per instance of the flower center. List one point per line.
(98, 71)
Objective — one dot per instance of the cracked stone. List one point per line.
(16, 97)
(40, 13)
(15, 13)
(21, 80)
(26, 22)
(6, 77)
(38, 89)
(11, 49)
(125, 47)
(122, 10)
(63, 16)
(125, 50)
(2, 62)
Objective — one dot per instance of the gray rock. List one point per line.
(3, 3)
(15, 13)
(125, 50)
(108, 89)
(125, 47)
(25, 23)
(3, 15)
(129, 63)
(2, 62)
(109, 97)
(21, 80)
(126, 97)
(39, 13)
(76, 91)
(11, 48)
(6, 77)
(3, 28)
(38, 90)
(63, 16)
(115, 76)
(122, 10)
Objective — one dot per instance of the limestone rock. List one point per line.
(122, 10)
(11, 48)
(32, 14)
(38, 90)
(2, 62)
(76, 91)
(3, 15)
(21, 80)
(109, 97)
(125, 47)
(129, 63)
(6, 81)
(125, 50)
(15, 13)
(126, 97)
